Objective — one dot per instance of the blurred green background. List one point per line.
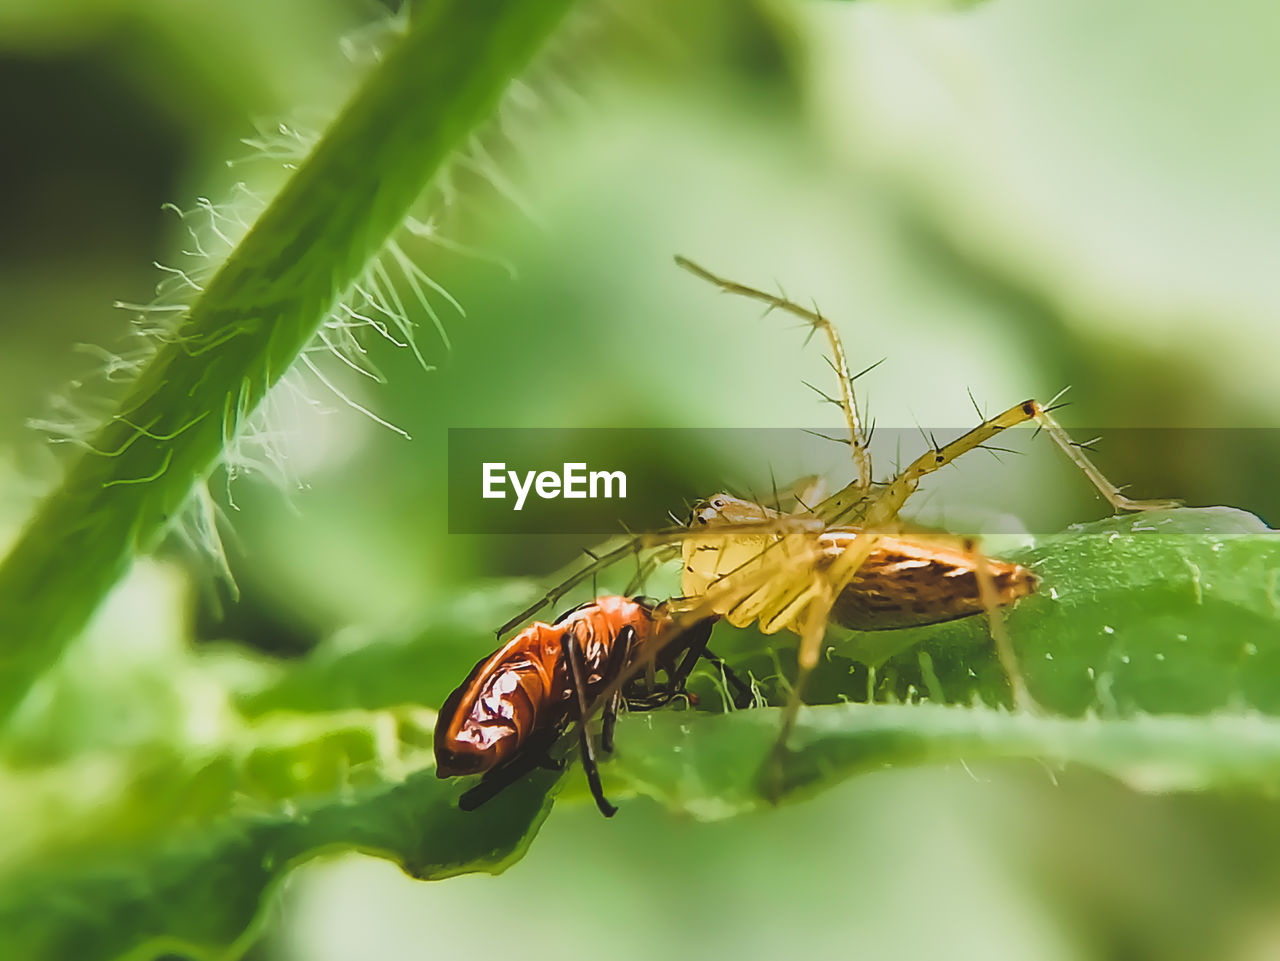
(1007, 199)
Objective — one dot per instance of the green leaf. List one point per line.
(1168, 612)
(423, 666)
(713, 767)
(1152, 649)
(200, 894)
(329, 763)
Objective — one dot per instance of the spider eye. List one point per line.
(718, 502)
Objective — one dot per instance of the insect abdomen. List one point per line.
(504, 698)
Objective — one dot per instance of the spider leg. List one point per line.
(854, 506)
(808, 613)
(665, 544)
(858, 438)
(1022, 699)
(1076, 453)
(644, 571)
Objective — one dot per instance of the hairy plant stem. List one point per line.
(257, 313)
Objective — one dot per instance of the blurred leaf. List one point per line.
(925, 4)
(201, 894)
(422, 666)
(107, 802)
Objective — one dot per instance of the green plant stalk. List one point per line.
(257, 313)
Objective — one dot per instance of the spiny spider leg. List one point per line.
(854, 506)
(664, 545)
(858, 438)
(810, 611)
(598, 563)
(1022, 699)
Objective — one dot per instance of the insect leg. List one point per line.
(619, 657)
(578, 673)
(858, 438)
(650, 702)
(698, 634)
(659, 695)
(744, 696)
(533, 754)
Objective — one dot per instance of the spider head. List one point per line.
(721, 509)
